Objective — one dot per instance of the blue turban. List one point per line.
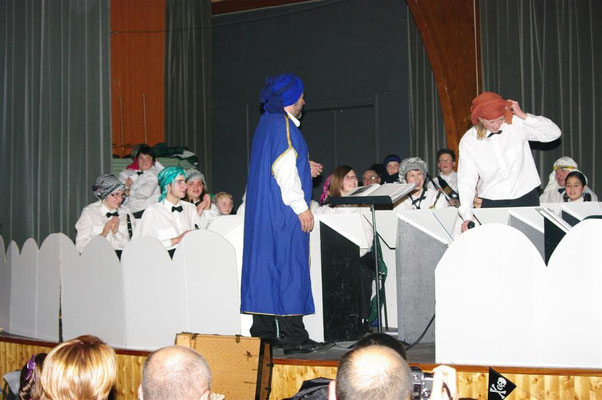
(280, 91)
(166, 177)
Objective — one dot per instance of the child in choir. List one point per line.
(106, 217)
(141, 186)
(413, 170)
(224, 203)
(575, 186)
(171, 218)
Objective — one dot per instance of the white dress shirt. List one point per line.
(451, 179)
(287, 177)
(432, 200)
(502, 164)
(160, 222)
(93, 220)
(553, 192)
(145, 189)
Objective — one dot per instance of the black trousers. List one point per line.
(529, 200)
(289, 330)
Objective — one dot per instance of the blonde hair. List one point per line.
(83, 368)
(481, 130)
(219, 195)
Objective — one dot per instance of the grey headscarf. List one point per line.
(105, 185)
(193, 174)
(410, 164)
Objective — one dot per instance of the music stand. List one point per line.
(375, 194)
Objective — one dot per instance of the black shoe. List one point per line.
(308, 346)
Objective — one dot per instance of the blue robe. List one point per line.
(275, 270)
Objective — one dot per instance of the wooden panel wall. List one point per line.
(450, 31)
(472, 381)
(137, 73)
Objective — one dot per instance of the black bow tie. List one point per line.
(113, 214)
(561, 190)
(494, 133)
(178, 209)
(139, 172)
(419, 199)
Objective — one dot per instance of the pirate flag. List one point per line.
(499, 386)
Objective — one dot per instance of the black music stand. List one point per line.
(375, 194)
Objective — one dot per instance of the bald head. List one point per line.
(175, 372)
(375, 372)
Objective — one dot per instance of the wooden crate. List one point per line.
(240, 366)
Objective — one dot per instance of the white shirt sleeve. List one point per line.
(539, 129)
(287, 177)
(85, 230)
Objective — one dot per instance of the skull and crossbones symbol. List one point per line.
(499, 387)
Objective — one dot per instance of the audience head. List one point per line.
(224, 202)
(29, 387)
(575, 185)
(382, 339)
(195, 185)
(81, 368)
(283, 91)
(369, 177)
(413, 170)
(172, 181)
(109, 190)
(446, 161)
(372, 372)
(343, 181)
(146, 157)
(175, 372)
(490, 111)
(562, 167)
(391, 164)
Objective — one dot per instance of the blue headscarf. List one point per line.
(280, 91)
(166, 177)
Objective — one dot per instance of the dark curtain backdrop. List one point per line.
(427, 129)
(188, 78)
(55, 117)
(547, 55)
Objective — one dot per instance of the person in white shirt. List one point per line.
(446, 162)
(141, 186)
(170, 219)
(106, 217)
(575, 188)
(414, 170)
(495, 153)
(555, 189)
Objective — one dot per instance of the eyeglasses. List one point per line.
(351, 178)
(117, 195)
(370, 178)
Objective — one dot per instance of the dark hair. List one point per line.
(382, 339)
(146, 149)
(336, 183)
(579, 175)
(29, 387)
(446, 151)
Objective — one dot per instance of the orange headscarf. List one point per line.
(490, 105)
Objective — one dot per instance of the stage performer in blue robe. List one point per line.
(276, 286)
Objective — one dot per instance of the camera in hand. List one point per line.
(422, 383)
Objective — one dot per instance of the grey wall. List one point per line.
(352, 56)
